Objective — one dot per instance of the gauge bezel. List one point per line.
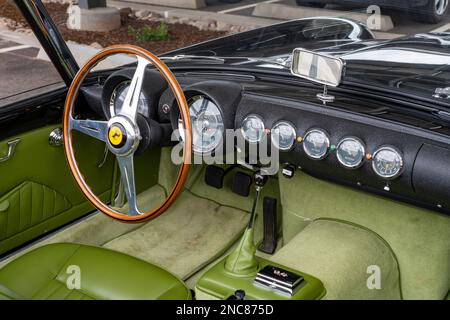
(362, 145)
(328, 143)
(292, 127)
(242, 128)
(191, 100)
(395, 150)
(112, 99)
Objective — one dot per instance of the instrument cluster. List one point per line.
(350, 151)
(118, 97)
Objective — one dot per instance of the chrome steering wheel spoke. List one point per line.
(126, 166)
(93, 128)
(130, 104)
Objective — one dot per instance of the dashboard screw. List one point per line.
(165, 108)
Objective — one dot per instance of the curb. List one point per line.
(168, 12)
(188, 4)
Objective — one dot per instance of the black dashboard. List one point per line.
(357, 141)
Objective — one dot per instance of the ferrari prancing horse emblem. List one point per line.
(115, 135)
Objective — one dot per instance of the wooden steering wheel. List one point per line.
(121, 133)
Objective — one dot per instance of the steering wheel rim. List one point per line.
(102, 131)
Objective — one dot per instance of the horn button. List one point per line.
(117, 136)
(122, 136)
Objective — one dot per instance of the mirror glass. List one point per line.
(317, 67)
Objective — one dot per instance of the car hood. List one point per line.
(418, 64)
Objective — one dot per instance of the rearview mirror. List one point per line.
(317, 67)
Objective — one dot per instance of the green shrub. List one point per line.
(148, 33)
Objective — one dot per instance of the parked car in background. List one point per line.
(429, 11)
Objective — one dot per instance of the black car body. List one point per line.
(416, 64)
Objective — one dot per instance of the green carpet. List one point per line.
(196, 184)
(193, 231)
(339, 255)
(420, 238)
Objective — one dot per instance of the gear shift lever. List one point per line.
(260, 180)
(242, 260)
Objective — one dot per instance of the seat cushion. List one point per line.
(50, 272)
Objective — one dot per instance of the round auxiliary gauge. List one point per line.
(283, 135)
(350, 152)
(316, 144)
(253, 128)
(387, 162)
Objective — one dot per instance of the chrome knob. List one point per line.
(56, 138)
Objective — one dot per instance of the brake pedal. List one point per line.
(241, 184)
(214, 176)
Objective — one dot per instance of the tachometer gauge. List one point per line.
(387, 162)
(283, 135)
(207, 124)
(253, 128)
(118, 97)
(316, 144)
(350, 152)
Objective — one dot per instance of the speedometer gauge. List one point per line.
(283, 135)
(207, 124)
(350, 152)
(387, 162)
(253, 128)
(316, 144)
(118, 97)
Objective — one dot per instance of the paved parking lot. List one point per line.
(20, 71)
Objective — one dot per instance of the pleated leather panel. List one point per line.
(27, 205)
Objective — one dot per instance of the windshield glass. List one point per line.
(402, 45)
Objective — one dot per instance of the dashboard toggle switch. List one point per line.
(288, 171)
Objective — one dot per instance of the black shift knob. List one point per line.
(260, 179)
(238, 295)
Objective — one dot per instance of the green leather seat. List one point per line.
(104, 274)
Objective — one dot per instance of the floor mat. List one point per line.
(193, 231)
